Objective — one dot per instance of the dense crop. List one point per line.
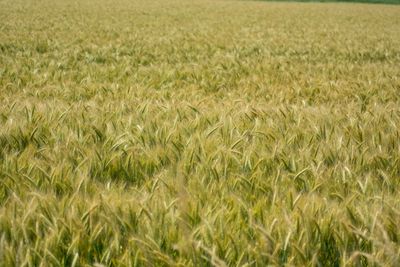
(199, 133)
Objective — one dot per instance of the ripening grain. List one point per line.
(199, 133)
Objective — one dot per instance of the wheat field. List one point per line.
(199, 133)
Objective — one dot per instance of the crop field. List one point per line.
(199, 133)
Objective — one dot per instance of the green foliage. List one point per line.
(207, 133)
(391, 2)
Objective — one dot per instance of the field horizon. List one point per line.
(199, 133)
